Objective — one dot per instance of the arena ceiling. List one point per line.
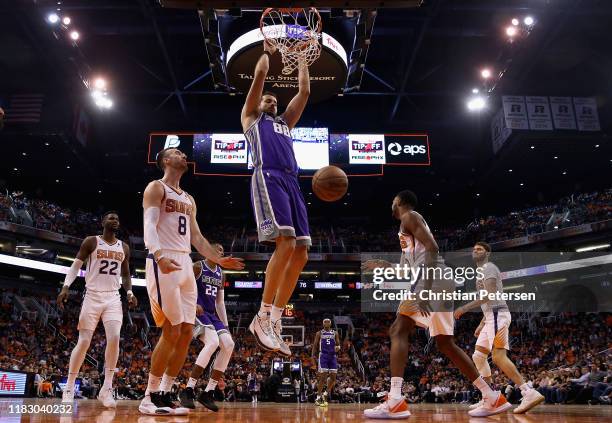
(420, 68)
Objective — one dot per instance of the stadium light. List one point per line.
(74, 35)
(100, 83)
(515, 21)
(476, 104)
(66, 21)
(592, 248)
(53, 18)
(474, 90)
(511, 31)
(528, 21)
(485, 73)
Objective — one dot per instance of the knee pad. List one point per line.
(482, 363)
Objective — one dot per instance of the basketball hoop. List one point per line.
(295, 33)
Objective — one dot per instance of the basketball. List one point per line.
(330, 183)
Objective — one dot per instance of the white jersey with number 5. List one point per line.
(174, 225)
(104, 266)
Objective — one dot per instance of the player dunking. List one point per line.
(278, 204)
(107, 267)
(212, 329)
(170, 229)
(325, 348)
(420, 248)
(493, 330)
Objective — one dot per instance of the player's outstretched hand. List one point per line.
(199, 310)
(229, 262)
(167, 265)
(62, 298)
(132, 301)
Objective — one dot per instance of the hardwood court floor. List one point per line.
(127, 412)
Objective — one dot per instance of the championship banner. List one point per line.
(366, 148)
(515, 112)
(563, 112)
(499, 132)
(228, 148)
(586, 114)
(538, 112)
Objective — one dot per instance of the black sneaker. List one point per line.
(186, 397)
(169, 399)
(206, 399)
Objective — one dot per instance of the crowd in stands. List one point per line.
(339, 238)
(564, 361)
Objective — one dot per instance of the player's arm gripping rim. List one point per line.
(491, 287)
(203, 246)
(413, 223)
(298, 102)
(220, 302)
(126, 277)
(88, 246)
(250, 110)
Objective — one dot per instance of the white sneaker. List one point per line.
(261, 328)
(284, 348)
(67, 396)
(388, 411)
(495, 404)
(147, 407)
(478, 404)
(106, 397)
(530, 399)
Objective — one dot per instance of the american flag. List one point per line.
(24, 108)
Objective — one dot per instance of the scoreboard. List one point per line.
(228, 154)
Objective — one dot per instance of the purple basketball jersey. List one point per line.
(209, 282)
(328, 341)
(271, 144)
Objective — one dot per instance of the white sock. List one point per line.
(264, 308)
(153, 385)
(483, 387)
(525, 387)
(166, 383)
(212, 384)
(71, 379)
(396, 388)
(108, 378)
(276, 313)
(192, 382)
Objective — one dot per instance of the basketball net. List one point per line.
(295, 33)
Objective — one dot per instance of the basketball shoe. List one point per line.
(261, 328)
(492, 405)
(106, 397)
(391, 409)
(530, 399)
(284, 348)
(67, 396)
